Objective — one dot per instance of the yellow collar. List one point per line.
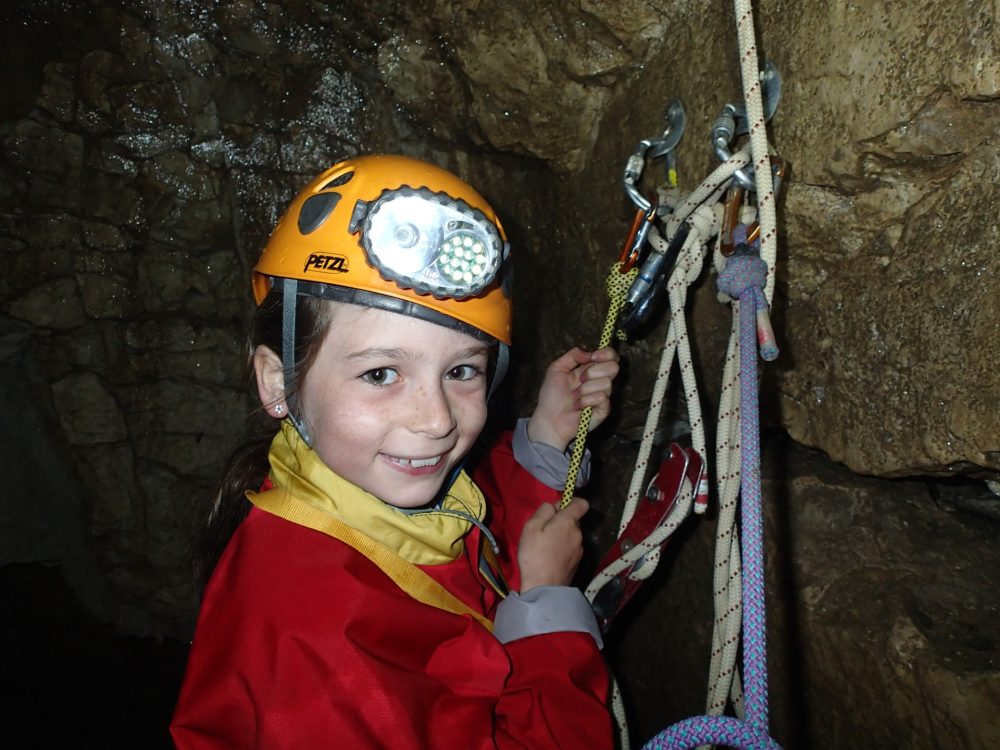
(428, 537)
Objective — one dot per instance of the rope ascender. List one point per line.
(677, 231)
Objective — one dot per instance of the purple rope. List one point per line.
(743, 279)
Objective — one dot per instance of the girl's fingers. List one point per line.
(543, 515)
(571, 360)
(576, 509)
(607, 354)
(599, 371)
(586, 392)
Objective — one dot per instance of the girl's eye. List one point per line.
(464, 372)
(380, 376)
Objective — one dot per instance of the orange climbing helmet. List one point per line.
(396, 233)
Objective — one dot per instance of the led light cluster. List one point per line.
(431, 243)
(462, 258)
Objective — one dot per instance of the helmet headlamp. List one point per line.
(431, 242)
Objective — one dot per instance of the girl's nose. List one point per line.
(432, 412)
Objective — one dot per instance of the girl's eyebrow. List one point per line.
(398, 352)
(474, 351)
(379, 352)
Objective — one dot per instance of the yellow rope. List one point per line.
(618, 283)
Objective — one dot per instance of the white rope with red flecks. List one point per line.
(724, 680)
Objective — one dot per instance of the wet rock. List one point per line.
(88, 412)
(112, 485)
(184, 348)
(181, 423)
(142, 170)
(911, 295)
(887, 203)
(57, 96)
(536, 81)
(52, 304)
(105, 294)
(39, 147)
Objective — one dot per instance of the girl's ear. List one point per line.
(270, 381)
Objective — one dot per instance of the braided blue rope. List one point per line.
(743, 279)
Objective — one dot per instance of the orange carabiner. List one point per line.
(629, 253)
(730, 218)
(636, 237)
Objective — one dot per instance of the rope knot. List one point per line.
(705, 221)
(744, 277)
(744, 269)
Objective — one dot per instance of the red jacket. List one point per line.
(303, 642)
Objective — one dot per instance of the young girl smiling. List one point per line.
(369, 592)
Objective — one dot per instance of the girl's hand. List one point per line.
(551, 545)
(576, 380)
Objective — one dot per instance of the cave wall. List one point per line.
(148, 148)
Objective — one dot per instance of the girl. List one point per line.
(371, 597)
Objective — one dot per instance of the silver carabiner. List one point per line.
(656, 265)
(733, 122)
(653, 148)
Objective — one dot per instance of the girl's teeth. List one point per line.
(419, 463)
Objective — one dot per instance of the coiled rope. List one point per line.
(703, 212)
(724, 681)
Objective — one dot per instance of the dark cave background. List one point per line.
(148, 148)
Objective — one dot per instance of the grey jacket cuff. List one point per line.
(545, 609)
(544, 462)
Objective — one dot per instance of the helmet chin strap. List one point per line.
(289, 298)
(503, 362)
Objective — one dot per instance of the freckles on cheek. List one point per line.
(367, 417)
(475, 414)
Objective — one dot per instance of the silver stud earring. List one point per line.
(278, 410)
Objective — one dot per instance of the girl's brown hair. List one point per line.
(247, 465)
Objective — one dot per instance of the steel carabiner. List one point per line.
(645, 286)
(733, 122)
(653, 148)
